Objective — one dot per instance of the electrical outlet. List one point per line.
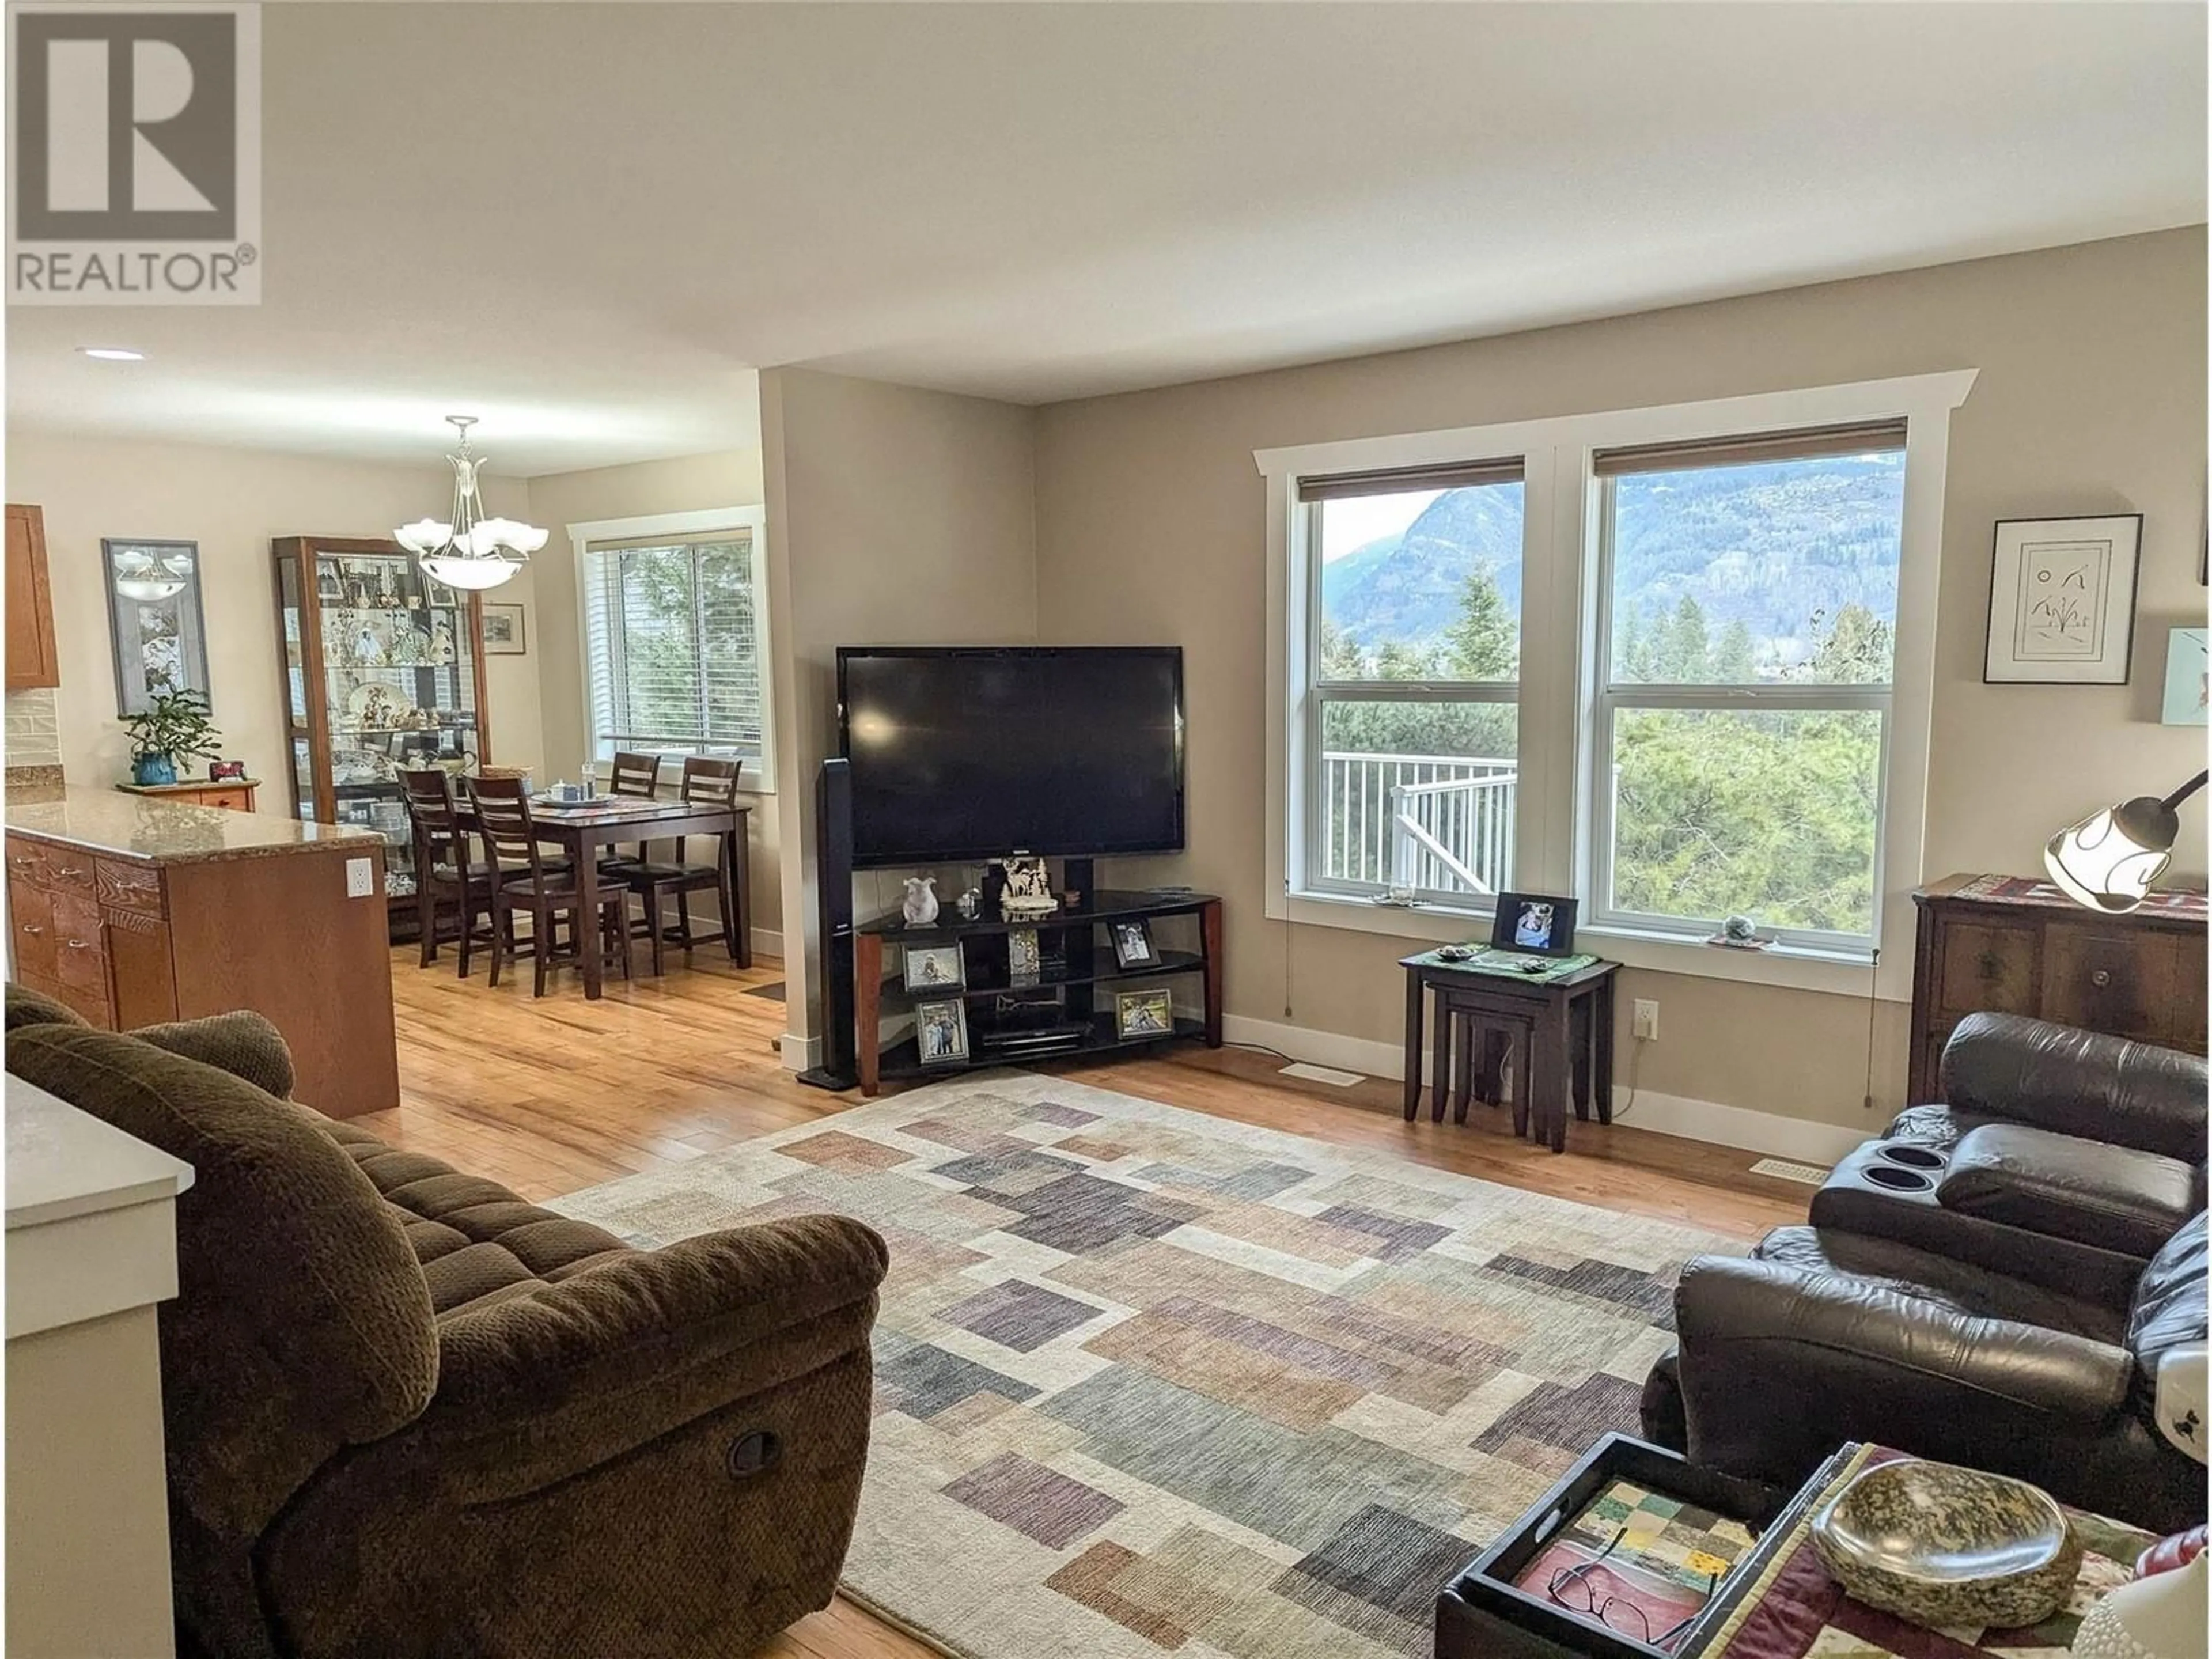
(1643, 1020)
(361, 878)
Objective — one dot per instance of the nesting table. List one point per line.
(1560, 1024)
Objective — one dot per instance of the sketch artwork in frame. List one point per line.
(153, 619)
(504, 631)
(933, 968)
(2063, 601)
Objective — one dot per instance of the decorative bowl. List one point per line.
(1948, 1547)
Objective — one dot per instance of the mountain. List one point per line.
(1769, 546)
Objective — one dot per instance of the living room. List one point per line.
(1578, 712)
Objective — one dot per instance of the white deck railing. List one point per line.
(1437, 823)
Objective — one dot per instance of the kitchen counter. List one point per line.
(147, 829)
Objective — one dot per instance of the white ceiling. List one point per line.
(588, 223)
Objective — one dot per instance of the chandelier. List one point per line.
(470, 551)
(151, 578)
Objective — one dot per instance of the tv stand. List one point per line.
(1080, 967)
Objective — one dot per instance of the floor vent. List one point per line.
(1306, 1073)
(1811, 1174)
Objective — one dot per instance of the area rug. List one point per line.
(1150, 1381)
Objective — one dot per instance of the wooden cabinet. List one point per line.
(128, 942)
(33, 659)
(232, 795)
(2008, 945)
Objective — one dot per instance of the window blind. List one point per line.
(1864, 438)
(672, 644)
(1394, 481)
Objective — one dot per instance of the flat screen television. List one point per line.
(965, 753)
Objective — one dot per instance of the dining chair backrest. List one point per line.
(502, 806)
(710, 781)
(429, 792)
(634, 774)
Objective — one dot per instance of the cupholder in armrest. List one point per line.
(1909, 1155)
(1898, 1180)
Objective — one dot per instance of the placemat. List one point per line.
(1506, 965)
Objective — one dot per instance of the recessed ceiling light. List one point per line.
(113, 354)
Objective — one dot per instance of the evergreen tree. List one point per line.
(1734, 662)
(1685, 653)
(1484, 643)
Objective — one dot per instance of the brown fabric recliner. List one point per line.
(408, 1413)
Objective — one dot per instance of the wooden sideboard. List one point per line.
(2012, 946)
(234, 794)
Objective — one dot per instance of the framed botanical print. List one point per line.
(2063, 601)
(154, 620)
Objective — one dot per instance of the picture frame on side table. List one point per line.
(933, 968)
(941, 1031)
(505, 631)
(1132, 944)
(1144, 1013)
(2063, 601)
(1542, 924)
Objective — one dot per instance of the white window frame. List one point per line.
(1560, 637)
(756, 778)
(1322, 693)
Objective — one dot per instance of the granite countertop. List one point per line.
(151, 830)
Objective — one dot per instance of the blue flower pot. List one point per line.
(153, 769)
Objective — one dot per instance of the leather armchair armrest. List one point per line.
(1778, 1365)
(536, 1386)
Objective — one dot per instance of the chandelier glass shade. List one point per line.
(150, 579)
(469, 549)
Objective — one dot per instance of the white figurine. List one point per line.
(920, 908)
(1029, 888)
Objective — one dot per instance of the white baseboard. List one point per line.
(799, 1054)
(1671, 1114)
(768, 942)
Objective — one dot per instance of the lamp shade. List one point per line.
(2109, 860)
(459, 570)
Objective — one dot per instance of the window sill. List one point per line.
(1840, 973)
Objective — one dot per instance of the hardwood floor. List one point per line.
(548, 1095)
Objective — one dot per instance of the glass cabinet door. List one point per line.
(399, 691)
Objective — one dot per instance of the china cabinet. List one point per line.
(383, 670)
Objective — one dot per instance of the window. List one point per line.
(1414, 683)
(1747, 655)
(1676, 661)
(673, 626)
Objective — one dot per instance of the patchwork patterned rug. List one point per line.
(1150, 1381)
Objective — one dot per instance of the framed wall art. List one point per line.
(154, 620)
(2185, 700)
(504, 633)
(2063, 601)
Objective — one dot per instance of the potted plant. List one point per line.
(173, 726)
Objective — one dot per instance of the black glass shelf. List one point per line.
(1107, 905)
(1097, 969)
(903, 1059)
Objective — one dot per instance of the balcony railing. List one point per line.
(1437, 823)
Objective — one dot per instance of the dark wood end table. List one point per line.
(1569, 1050)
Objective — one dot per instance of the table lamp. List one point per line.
(2109, 860)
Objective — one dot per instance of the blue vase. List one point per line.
(153, 769)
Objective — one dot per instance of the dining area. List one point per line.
(582, 882)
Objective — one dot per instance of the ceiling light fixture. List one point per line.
(144, 577)
(113, 354)
(469, 551)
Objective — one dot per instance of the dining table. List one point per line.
(580, 827)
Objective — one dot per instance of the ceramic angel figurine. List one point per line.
(920, 908)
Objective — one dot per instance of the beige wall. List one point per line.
(895, 516)
(1150, 528)
(689, 483)
(233, 502)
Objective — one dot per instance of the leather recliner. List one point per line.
(2013, 1319)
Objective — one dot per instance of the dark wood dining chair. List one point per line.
(547, 891)
(444, 872)
(631, 774)
(707, 781)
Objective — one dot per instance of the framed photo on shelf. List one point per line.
(2063, 601)
(1542, 924)
(933, 968)
(941, 1031)
(504, 634)
(1144, 1013)
(1132, 944)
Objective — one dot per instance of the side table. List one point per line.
(1571, 1053)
